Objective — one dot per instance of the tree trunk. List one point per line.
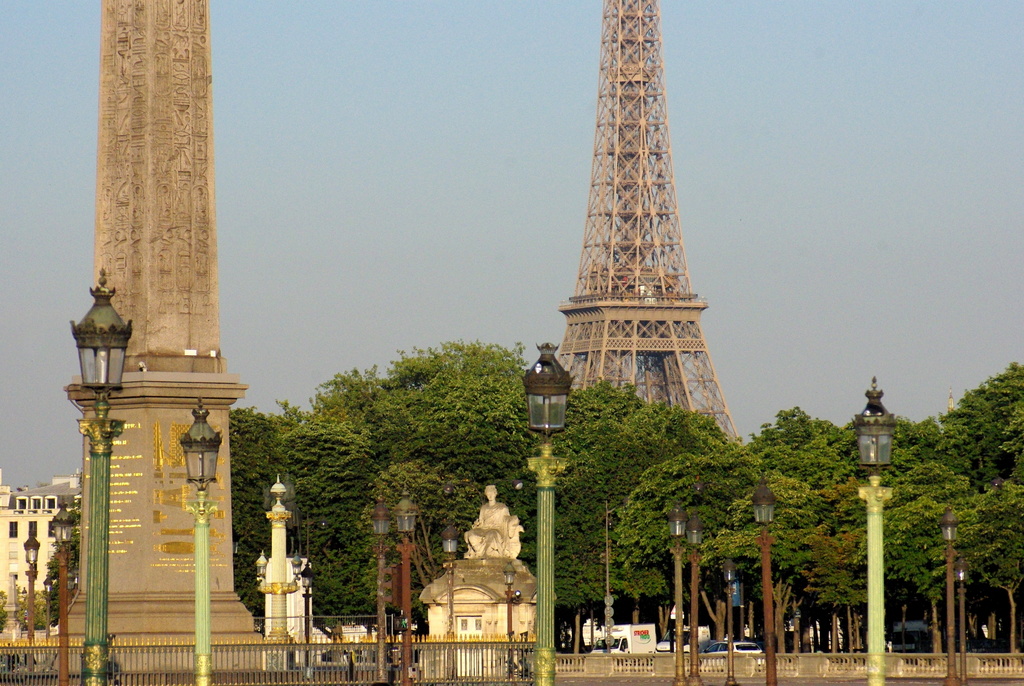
(716, 613)
(663, 619)
(781, 596)
(750, 621)
(834, 639)
(577, 628)
(1013, 619)
(933, 624)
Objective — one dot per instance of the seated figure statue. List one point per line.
(495, 532)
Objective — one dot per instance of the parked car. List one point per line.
(748, 647)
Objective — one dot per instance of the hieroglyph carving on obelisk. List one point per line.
(155, 219)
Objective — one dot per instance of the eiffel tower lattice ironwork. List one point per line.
(634, 318)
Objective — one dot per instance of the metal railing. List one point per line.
(435, 663)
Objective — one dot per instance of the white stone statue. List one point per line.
(495, 532)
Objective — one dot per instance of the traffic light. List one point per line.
(393, 586)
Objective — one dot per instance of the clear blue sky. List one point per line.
(393, 175)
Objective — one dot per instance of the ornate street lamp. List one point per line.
(948, 524)
(381, 525)
(510, 595)
(764, 514)
(547, 389)
(960, 569)
(278, 588)
(875, 427)
(450, 545)
(31, 557)
(306, 580)
(48, 587)
(405, 522)
(510, 598)
(694, 536)
(102, 338)
(63, 528)
(729, 574)
(677, 530)
(201, 445)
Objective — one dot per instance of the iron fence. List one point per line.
(291, 664)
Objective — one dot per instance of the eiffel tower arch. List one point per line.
(634, 319)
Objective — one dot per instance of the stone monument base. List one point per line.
(165, 617)
(480, 599)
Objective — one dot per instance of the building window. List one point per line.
(51, 503)
(22, 504)
(12, 530)
(32, 528)
(37, 503)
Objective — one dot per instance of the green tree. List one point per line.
(255, 463)
(333, 471)
(611, 440)
(975, 433)
(992, 541)
(815, 451)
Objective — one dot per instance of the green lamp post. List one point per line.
(547, 389)
(875, 427)
(102, 338)
(201, 445)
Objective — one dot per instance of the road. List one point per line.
(815, 681)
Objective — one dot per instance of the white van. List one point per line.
(629, 638)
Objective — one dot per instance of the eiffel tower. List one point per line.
(634, 318)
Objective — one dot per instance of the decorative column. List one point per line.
(278, 588)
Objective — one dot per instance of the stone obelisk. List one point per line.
(156, 238)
